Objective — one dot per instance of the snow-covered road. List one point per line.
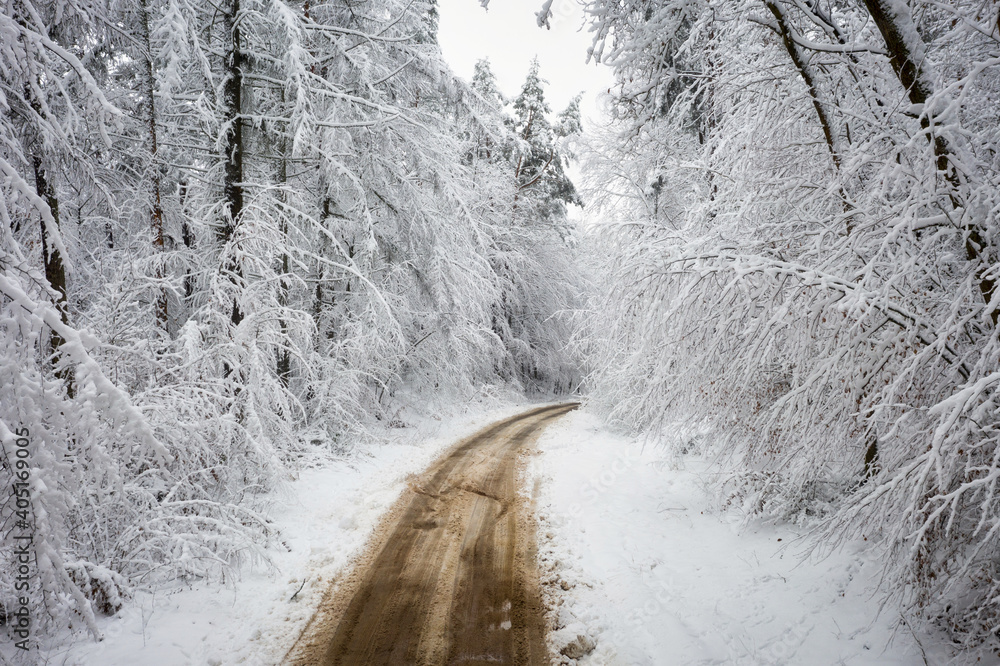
(325, 515)
(637, 563)
(450, 575)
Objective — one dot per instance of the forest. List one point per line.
(237, 233)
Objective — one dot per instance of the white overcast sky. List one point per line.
(509, 36)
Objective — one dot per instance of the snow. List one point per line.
(637, 561)
(637, 558)
(325, 515)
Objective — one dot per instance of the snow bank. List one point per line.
(639, 566)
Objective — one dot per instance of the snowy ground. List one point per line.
(633, 553)
(325, 515)
(640, 563)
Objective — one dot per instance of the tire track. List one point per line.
(450, 576)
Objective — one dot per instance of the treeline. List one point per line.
(230, 233)
(804, 198)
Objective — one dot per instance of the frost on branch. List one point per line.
(241, 237)
(801, 204)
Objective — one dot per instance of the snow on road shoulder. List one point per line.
(325, 515)
(639, 567)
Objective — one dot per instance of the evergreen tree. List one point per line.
(542, 182)
(531, 239)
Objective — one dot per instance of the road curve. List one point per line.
(450, 576)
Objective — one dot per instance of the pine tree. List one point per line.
(540, 167)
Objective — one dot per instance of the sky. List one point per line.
(509, 36)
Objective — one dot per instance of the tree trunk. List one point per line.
(55, 270)
(156, 212)
(908, 60)
(187, 237)
(801, 63)
(52, 259)
(232, 152)
(283, 366)
(799, 60)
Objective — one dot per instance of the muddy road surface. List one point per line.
(449, 578)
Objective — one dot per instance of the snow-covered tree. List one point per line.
(518, 163)
(540, 155)
(806, 263)
(228, 230)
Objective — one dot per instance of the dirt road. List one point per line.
(450, 576)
